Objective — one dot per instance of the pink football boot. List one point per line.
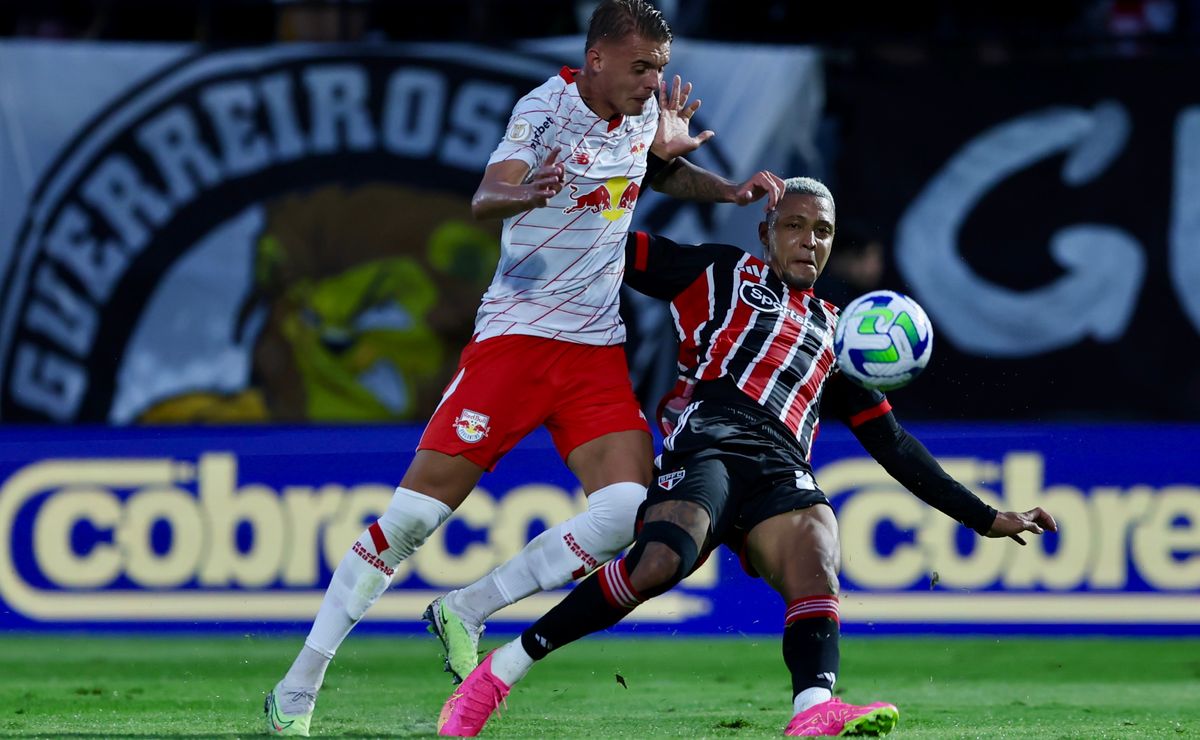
(836, 718)
(471, 705)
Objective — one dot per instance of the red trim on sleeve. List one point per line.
(567, 74)
(876, 411)
(641, 254)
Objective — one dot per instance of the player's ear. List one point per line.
(763, 233)
(594, 59)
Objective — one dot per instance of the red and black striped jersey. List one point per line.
(746, 336)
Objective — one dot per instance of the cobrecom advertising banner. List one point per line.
(239, 529)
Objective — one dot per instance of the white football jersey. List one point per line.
(561, 265)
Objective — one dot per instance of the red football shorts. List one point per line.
(507, 386)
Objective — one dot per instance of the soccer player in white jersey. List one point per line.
(547, 346)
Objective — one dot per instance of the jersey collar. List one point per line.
(568, 74)
(775, 282)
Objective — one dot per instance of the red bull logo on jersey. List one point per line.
(471, 426)
(620, 190)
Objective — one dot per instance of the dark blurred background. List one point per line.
(1021, 167)
(986, 27)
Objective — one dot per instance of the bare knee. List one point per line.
(827, 577)
(818, 569)
(447, 478)
(798, 553)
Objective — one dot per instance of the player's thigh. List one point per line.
(447, 478)
(613, 458)
(596, 423)
(496, 398)
(797, 552)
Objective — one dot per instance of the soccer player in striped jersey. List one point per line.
(547, 345)
(757, 367)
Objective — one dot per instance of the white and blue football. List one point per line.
(883, 340)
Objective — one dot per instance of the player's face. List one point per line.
(798, 242)
(628, 71)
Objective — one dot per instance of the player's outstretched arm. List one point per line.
(510, 187)
(684, 180)
(1012, 524)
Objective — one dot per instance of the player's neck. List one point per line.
(586, 86)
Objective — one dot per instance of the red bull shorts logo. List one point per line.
(620, 190)
(471, 426)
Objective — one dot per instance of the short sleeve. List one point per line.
(531, 132)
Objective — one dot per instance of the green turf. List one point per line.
(381, 687)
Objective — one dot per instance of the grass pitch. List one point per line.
(726, 688)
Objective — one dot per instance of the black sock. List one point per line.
(810, 650)
(586, 609)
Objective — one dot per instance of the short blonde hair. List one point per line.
(804, 186)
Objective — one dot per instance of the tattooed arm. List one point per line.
(684, 180)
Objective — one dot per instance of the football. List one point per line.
(883, 340)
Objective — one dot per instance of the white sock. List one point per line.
(555, 557)
(480, 600)
(510, 662)
(366, 570)
(810, 698)
(307, 672)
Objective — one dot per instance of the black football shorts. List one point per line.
(735, 462)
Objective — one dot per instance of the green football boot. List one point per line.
(279, 723)
(460, 639)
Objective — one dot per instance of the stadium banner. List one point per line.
(283, 233)
(238, 528)
(1046, 214)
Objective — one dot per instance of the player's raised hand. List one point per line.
(547, 180)
(762, 183)
(674, 138)
(1012, 524)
